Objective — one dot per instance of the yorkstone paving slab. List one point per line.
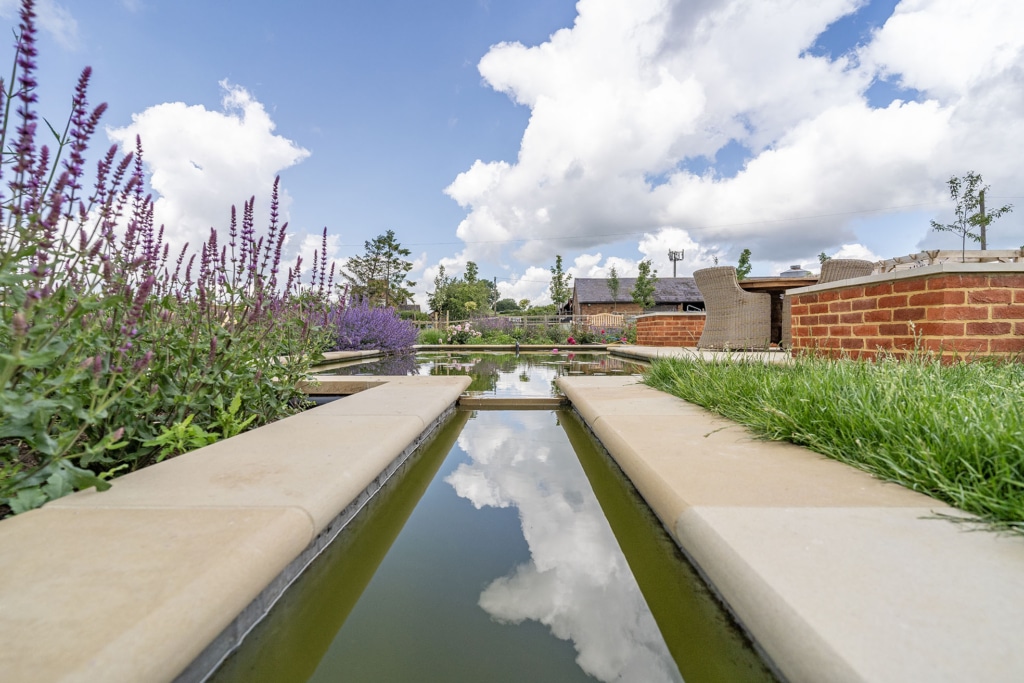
(868, 594)
(314, 461)
(721, 463)
(132, 584)
(838, 576)
(338, 384)
(99, 595)
(405, 396)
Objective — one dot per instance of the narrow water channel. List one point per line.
(497, 554)
(494, 374)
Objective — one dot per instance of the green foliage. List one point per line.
(968, 194)
(506, 306)
(182, 437)
(437, 300)
(431, 335)
(468, 298)
(104, 346)
(822, 257)
(464, 298)
(956, 436)
(743, 267)
(643, 290)
(546, 309)
(560, 284)
(378, 276)
(613, 286)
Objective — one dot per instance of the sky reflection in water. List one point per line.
(577, 581)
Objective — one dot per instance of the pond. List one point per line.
(495, 374)
(509, 548)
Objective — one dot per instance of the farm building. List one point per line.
(592, 295)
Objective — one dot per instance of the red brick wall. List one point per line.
(669, 329)
(952, 313)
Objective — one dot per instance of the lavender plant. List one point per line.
(106, 345)
(361, 326)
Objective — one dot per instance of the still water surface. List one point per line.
(497, 374)
(491, 559)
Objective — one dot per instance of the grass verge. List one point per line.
(954, 432)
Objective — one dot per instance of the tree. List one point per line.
(613, 286)
(822, 257)
(643, 290)
(968, 194)
(438, 299)
(472, 273)
(743, 267)
(560, 281)
(378, 276)
(468, 298)
(506, 306)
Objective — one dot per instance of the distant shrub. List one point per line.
(360, 327)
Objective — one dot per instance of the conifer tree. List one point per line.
(378, 276)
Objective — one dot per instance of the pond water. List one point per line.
(501, 375)
(509, 548)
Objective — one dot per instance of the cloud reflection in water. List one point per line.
(577, 581)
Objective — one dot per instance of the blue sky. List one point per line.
(506, 132)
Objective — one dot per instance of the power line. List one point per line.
(693, 229)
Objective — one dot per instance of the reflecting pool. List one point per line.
(497, 554)
(501, 375)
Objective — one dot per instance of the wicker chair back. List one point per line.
(734, 320)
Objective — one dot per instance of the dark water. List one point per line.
(504, 375)
(499, 555)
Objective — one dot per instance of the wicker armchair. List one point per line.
(844, 269)
(831, 271)
(734, 319)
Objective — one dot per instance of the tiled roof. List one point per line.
(667, 290)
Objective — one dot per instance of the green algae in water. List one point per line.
(505, 571)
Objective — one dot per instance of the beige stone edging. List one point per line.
(836, 575)
(135, 583)
(909, 273)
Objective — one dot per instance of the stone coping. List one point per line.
(334, 356)
(649, 353)
(836, 575)
(909, 273)
(511, 347)
(670, 314)
(139, 582)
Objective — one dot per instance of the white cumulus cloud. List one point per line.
(202, 161)
(637, 107)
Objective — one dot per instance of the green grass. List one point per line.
(954, 432)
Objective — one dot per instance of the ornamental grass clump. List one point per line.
(110, 350)
(954, 432)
